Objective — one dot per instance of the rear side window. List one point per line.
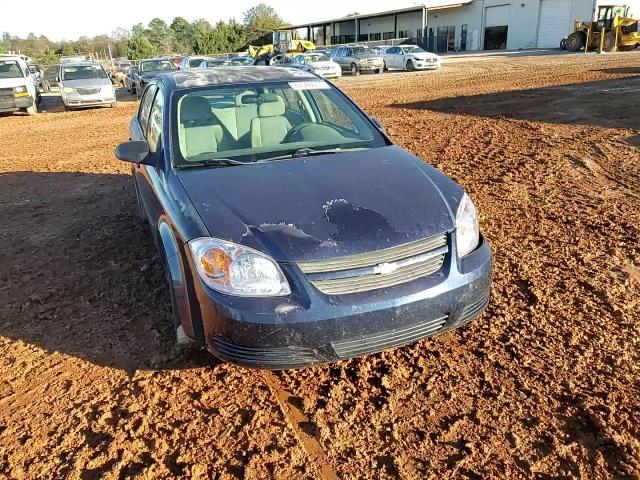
(145, 107)
(154, 130)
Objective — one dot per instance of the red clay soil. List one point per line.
(546, 384)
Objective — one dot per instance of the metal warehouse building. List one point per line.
(468, 25)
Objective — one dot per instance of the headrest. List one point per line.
(196, 109)
(243, 98)
(271, 105)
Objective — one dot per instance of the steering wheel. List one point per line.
(322, 128)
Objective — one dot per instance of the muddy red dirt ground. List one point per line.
(546, 384)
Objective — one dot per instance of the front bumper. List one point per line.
(370, 67)
(95, 100)
(329, 73)
(12, 103)
(310, 328)
(421, 65)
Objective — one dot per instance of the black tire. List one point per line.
(410, 66)
(627, 48)
(609, 42)
(355, 71)
(575, 42)
(380, 70)
(385, 68)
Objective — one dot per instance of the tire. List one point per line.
(609, 42)
(627, 48)
(380, 70)
(355, 71)
(410, 66)
(575, 42)
(385, 68)
(33, 109)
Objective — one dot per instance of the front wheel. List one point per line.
(33, 109)
(354, 70)
(574, 42)
(609, 42)
(410, 66)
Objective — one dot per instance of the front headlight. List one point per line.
(237, 270)
(68, 90)
(467, 230)
(19, 89)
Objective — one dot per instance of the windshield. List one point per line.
(83, 72)
(10, 69)
(253, 122)
(361, 50)
(316, 57)
(196, 62)
(413, 50)
(157, 65)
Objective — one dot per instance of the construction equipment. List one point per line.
(283, 43)
(612, 30)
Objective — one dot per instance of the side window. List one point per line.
(290, 98)
(154, 132)
(145, 106)
(330, 112)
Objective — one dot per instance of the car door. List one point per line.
(340, 57)
(139, 128)
(399, 58)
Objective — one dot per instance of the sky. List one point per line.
(70, 19)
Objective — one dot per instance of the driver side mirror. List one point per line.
(135, 151)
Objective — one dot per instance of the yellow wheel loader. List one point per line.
(283, 43)
(620, 31)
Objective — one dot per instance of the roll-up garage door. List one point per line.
(554, 22)
(497, 16)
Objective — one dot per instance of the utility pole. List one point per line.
(110, 57)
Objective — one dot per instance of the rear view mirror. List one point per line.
(135, 151)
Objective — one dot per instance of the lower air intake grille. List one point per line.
(87, 91)
(392, 338)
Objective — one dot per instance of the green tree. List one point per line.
(203, 38)
(160, 35)
(68, 49)
(46, 57)
(259, 22)
(183, 35)
(139, 46)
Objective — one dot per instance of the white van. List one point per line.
(18, 90)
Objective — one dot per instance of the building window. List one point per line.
(403, 34)
(463, 38)
(375, 36)
(387, 35)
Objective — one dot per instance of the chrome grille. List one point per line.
(376, 270)
(87, 91)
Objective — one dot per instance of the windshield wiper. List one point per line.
(213, 162)
(309, 152)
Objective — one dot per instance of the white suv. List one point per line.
(18, 90)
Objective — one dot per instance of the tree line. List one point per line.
(157, 38)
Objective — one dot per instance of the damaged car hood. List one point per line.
(324, 206)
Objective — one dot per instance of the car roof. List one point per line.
(79, 64)
(235, 75)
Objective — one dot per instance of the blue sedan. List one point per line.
(293, 231)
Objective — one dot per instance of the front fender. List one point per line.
(173, 256)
